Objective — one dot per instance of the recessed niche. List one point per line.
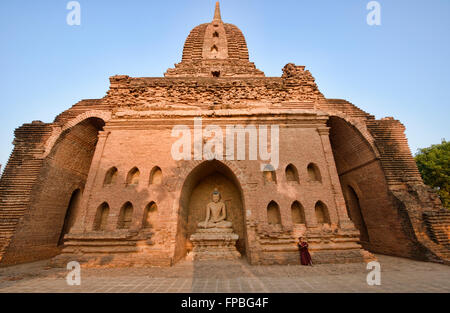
(298, 213)
(110, 177)
(322, 215)
(133, 177)
(101, 218)
(314, 173)
(273, 214)
(125, 216)
(156, 176)
(292, 173)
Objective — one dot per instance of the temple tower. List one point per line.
(215, 49)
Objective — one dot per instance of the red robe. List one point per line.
(305, 257)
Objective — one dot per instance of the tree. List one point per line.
(434, 165)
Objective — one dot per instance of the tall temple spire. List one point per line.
(217, 16)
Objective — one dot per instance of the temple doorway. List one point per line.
(355, 214)
(71, 214)
(197, 193)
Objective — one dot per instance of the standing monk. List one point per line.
(305, 257)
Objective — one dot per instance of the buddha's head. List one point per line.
(216, 196)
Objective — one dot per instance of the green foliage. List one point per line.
(434, 165)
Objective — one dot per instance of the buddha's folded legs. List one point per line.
(222, 224)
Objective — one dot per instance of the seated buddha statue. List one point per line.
(216, 213)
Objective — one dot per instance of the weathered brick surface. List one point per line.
(365, 169)
(19, 179)
(60, 174)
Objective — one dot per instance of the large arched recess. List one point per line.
(361, 176)
(196, 194)
(64, 171)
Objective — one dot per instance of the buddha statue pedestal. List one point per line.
(214, 238)
(214, 244)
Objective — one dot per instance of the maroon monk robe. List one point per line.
(305, 257)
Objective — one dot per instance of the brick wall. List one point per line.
(371, 156)
(62, 172)
(19, 178)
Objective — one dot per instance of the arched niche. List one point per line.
(322, 214)
(197, 193)
(133, 177)
(298, 213)
(314, 173)
(291, 174)
(156, 176)
(150, 212)
(101, 217)
(110, 177)
(273, 213)
(125, 216)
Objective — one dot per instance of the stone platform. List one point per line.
(398, 275)
(214, 244)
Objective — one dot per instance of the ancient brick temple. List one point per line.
(100, 184)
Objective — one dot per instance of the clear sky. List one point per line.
(399, 69)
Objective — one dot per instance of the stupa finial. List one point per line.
(217, 16)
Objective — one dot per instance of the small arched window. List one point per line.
(133, 177)
(125, 216)
(273, 214)
(110, 177)
(150, 215)
(216, 34)
(101, 218)
(322, 215)
(298, 213)
(314, 173)
(292, 173)
(156, 176)
(214, 48)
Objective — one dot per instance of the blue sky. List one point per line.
(399, 69)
